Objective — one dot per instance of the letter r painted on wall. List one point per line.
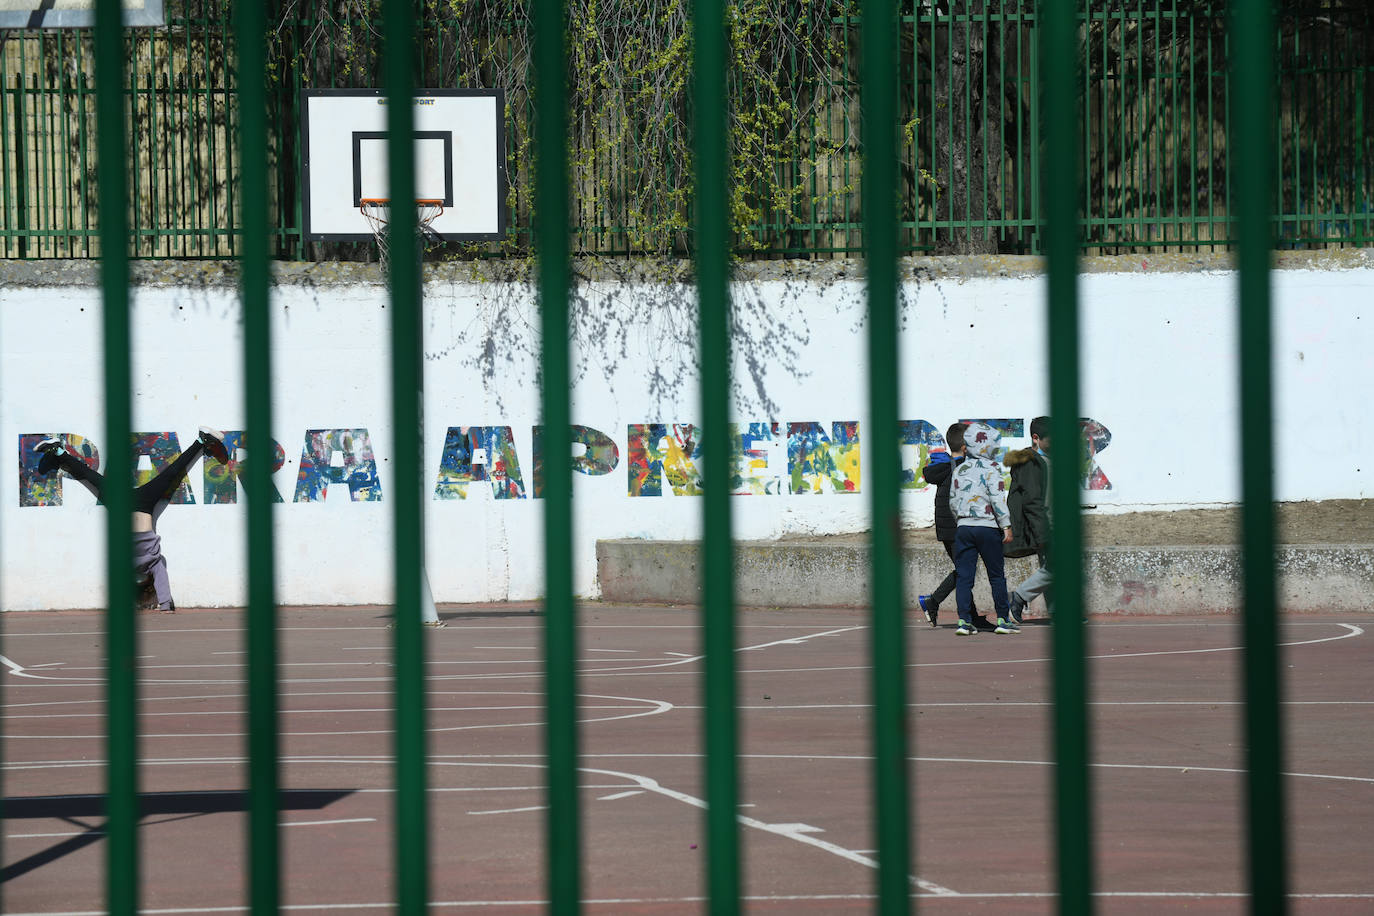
(1096, 438)
(221, 479)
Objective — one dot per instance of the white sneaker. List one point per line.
(213, 440)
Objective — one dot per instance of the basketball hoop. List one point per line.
(377, 212)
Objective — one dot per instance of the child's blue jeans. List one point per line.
(970, 543)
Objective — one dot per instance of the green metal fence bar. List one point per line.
(1060, 201)
(407, 365)
(551, 240)
(3, 684)
(121, 777)
(892, 803)
(1252, 43)
(264, 844)
(711, 108)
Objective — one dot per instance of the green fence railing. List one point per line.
(1157, 168)
(1252, 103)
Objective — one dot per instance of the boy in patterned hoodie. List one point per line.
(979, 499)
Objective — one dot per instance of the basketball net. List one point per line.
(377, 212)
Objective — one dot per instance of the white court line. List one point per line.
(1028, 704)
(638, 706)
(620, 795)
(178, 698)
(792, 640)
(663, 901)
(462, 628)
(649, 670)
(513, 648)
(326, 711)
(995, 704)
(1351, 631)
(800, 833)
(95, 833)
(53, 836)
(513, 810)
(448, 759)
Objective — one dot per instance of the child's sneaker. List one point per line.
(931, 609)
(213, 440)
(965, 628)
(49, 450)
(1017, 611)
(1006, 625)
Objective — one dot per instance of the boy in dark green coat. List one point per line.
(1028, 502)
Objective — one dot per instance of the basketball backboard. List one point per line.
(74, 14)
(459, 160)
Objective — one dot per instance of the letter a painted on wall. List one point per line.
(341, 456)
(162, 449)
(474, 453)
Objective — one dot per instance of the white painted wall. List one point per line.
(1158, 372)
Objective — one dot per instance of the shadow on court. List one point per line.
(75, 809)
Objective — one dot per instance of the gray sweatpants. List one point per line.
(149, 561)
(1036, 584)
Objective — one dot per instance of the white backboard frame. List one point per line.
(460, 159)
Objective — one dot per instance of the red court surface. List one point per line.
(1166, 722)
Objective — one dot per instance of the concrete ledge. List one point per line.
(1119, 580)
(198, 274)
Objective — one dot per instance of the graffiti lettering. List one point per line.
(768, 458)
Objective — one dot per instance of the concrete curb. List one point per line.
(1118, 580)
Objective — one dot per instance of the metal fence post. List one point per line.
(712, 255)
(1252, 104)
(892, 797)
(264, 845)
(407, 364)
(1060, 198)
(121, 842)
(560, 624)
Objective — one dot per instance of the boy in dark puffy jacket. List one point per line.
(938, 471)
(1028, 502)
